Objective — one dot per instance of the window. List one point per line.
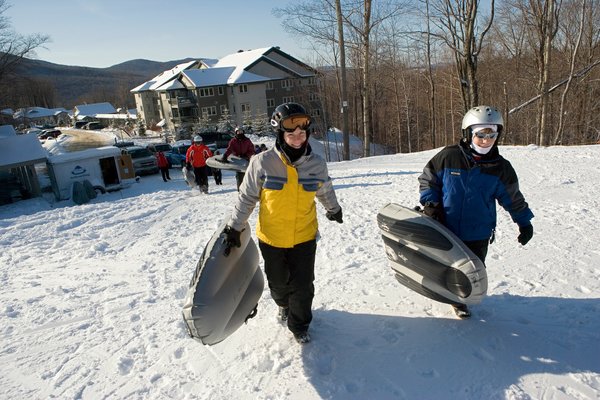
(224, 109)
(289, 99)
(311, 81)
(286, 83)
(313, 97)
(206, 92)
(245, 107)
(270, 85)
(209, 111)
(270, 102)
(221, 90)
(243, 88)
(315, 112)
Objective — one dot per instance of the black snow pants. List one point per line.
(479, 247)
(201, 175)
(239, 178)
(290, 274)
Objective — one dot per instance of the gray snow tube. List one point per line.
(224, 291)
(429, 259)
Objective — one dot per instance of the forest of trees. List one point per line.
(405, 71)
(414, 67)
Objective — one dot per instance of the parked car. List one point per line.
(80, 124)
(49, 133)
(177, 154)
(155, 147)
(144, 162)
(123, 144)
(92, 126)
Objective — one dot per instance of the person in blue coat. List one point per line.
(460, 185)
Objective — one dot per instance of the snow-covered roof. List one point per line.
(171, 85)
(93, 109)
(221, 76)
(240, 76)
(209, 76)
(83, 154)
(229, 70)
(38, 112)
(165, 76)
(210, 62)
(19, 150)
(242, 58)
(115, 116)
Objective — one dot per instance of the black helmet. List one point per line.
(289, 116)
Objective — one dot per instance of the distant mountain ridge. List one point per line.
(76, 84)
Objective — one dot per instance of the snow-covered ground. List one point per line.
(91, 298)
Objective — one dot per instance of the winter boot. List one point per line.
(283, 314)
(302, 337)
(461, 311)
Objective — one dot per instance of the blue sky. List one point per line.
(101, 33)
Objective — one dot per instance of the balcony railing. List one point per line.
(182, 102)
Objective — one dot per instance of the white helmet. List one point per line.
(481, 115)
(197, 139)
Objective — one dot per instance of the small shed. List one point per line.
(18, 156)
(105, 168)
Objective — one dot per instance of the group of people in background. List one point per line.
(195, 160)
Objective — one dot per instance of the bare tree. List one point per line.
(14, 47)
(559, 130)
(458, 22)
(344, 80)
(541, 16)
(430, 80)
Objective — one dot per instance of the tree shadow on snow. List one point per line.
(373, 175)
(364, 356)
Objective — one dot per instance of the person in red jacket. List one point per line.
(163, 165)
(195, 158)
(240, 146)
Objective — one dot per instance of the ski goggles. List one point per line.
(486, 134)
(290, 124)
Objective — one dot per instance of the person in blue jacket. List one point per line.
(460, 185)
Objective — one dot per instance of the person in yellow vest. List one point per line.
(286, 180)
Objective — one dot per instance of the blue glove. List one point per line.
(525, 234)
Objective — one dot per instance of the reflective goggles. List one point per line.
(486, 134)
(295, 121)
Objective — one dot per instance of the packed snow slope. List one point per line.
(91, 298)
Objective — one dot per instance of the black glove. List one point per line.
(224, 160)
(335, 216)
(232, 238)
(435, 211)
(188, 166)
(525, 234)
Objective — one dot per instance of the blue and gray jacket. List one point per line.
(468, 186)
